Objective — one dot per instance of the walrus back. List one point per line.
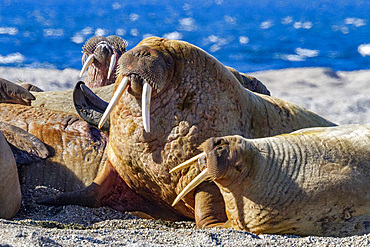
(77, 150)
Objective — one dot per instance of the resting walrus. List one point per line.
(10, 191)
(186, 96)
(313, 181)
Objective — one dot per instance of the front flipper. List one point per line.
(26, 147)
(13, 93)
(209, 206)
(88, 105)
(109, 189)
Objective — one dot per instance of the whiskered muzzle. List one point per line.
(146, 96)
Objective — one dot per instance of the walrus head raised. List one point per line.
(100, 55)
(222, 157)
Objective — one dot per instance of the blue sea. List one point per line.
(247, 35)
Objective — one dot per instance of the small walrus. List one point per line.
(313, 181)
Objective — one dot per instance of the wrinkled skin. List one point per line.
(10, 192)
(310, 182)
(194, 97)
(77, 150)
(69, 152)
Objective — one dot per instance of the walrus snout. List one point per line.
(217, 152)
(152, 65)
(102, 55)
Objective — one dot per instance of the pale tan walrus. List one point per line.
(10, 191)
(177, 97)
(313, 181)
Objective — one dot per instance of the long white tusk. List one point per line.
(120, 90)
(88, 62)
(188, 163)
(113, 60)
(145, 106)
(194, 183)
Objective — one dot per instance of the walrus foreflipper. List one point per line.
(26, 147)
(88, 105)
(13, 93)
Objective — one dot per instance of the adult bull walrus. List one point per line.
(314, 181)
(177, 97)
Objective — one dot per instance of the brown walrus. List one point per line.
(177, 97)
(10, 192)
(314, 181)
(101, 54)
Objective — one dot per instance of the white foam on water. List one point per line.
(173, 35)
(51, 32)
(187, 24)
(8, 30)
(230, 20)
(120, 32)
(116, 5)
(134, 32)
(101, 32)
(80, 36)
(12, 58)
(266, 24)
(364, 50)
(301, 55)
(243, 40)
(134, 17)
(357, 22)
(304, 25)
(287, 20)
(342, 29)
(306, 52)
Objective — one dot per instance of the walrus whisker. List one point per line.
(88, 62)
(188, 163)
(112, 64)
(145, 105)
(121, 88)
(194, 183)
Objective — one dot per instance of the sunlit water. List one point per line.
(246, 35)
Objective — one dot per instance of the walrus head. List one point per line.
(224, 160)
(100, 55)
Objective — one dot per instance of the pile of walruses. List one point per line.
(184, 137)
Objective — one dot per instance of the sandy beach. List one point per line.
(341, 97)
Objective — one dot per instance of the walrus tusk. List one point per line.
(188, 163)
(112, 64)
(194, 183)
(145, 105)
(88, 62)
(120, 90)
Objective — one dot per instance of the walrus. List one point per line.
(170, 96)
(10, 191)
(314, 181)
(100, 56)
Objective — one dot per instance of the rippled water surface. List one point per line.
(246, 35)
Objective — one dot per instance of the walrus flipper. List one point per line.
(88, 105)
(249, 82)
(13, 93)
(26, 147)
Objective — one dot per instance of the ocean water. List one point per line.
(247, 35)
